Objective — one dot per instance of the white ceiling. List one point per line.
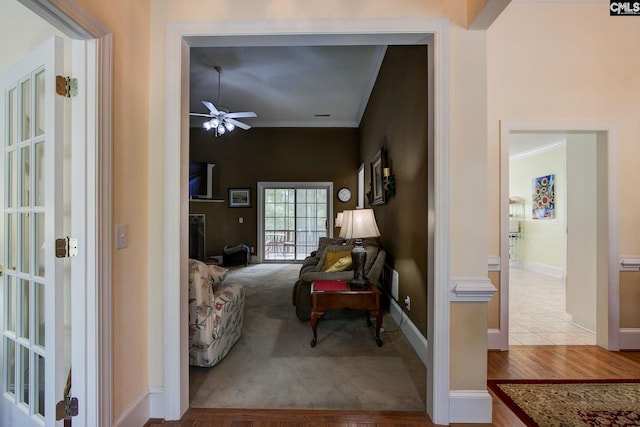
(286, 86)
(528, 143)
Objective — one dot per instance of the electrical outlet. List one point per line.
(407, 302)
(253, 250)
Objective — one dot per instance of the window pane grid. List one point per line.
(294, 220)
(23, 353)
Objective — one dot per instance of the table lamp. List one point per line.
(359, 224)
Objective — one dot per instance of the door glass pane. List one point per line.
(10, 304)
(39, 314)
(39, 103)
(12, 110)
(39, 385)
(24, 304)
(12, 182)
(294, 219)
(10, 365)
(38, 171)
(26, 109)
(39, 242)
(26, 181)
(24, 374)
(12, 240)
(24, 236)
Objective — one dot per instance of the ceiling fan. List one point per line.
(222, 120)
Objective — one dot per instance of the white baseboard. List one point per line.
(629, 338)
(157, 402)
(549, 270)
(470, 406)
(410, 331)
(136, 414)
(494, 340)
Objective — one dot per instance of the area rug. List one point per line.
(571, 402)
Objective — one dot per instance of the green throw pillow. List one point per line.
(331, 257)
(343, 264)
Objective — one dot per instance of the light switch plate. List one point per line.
(121, 236)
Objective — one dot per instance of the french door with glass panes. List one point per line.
(32, 354)
(293, 216)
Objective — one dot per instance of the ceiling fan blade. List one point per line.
(237, 123)
(241, 115)
(211, 107)
(200, 114)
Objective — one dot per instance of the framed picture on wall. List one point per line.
(239, 197)
(377, 183)
(543, 197)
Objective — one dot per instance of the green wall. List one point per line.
(543, 241)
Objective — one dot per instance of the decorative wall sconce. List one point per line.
(389, 183)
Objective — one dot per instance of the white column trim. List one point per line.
(629, 263)
(493, 263)
(471, 290)
(629, 338)
(470, 406)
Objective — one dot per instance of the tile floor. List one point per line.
(537, 312)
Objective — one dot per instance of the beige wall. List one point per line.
(129, 22)
(14, 19)
(579, 68)
(493, 307)
(630, 288)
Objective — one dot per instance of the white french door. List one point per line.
(32, 320)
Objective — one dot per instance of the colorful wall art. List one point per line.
(544, 198)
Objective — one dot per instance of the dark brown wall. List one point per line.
(243, 158)
(396, 118)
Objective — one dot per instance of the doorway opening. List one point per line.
(541, 311)
(564, 243)
(433, 32)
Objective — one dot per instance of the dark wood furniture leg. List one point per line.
(314, 325)
(378, 326)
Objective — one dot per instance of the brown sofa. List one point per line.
(311, 270)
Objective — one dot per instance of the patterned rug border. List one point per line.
(524, 417)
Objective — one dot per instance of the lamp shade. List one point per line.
(339, 219)
(359, 224)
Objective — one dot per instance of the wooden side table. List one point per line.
(361, 298)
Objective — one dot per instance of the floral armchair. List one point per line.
(216, 313)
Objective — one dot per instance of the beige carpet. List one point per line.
(273, 366)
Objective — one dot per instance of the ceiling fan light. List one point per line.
(206, 125)
(230, 126)
(215, 122)
(221, 129)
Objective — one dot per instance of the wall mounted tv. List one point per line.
(200, 177)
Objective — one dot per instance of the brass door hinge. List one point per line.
(66, 86)
(67, 408)
(67, 247)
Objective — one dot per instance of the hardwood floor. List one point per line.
(520, 362)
